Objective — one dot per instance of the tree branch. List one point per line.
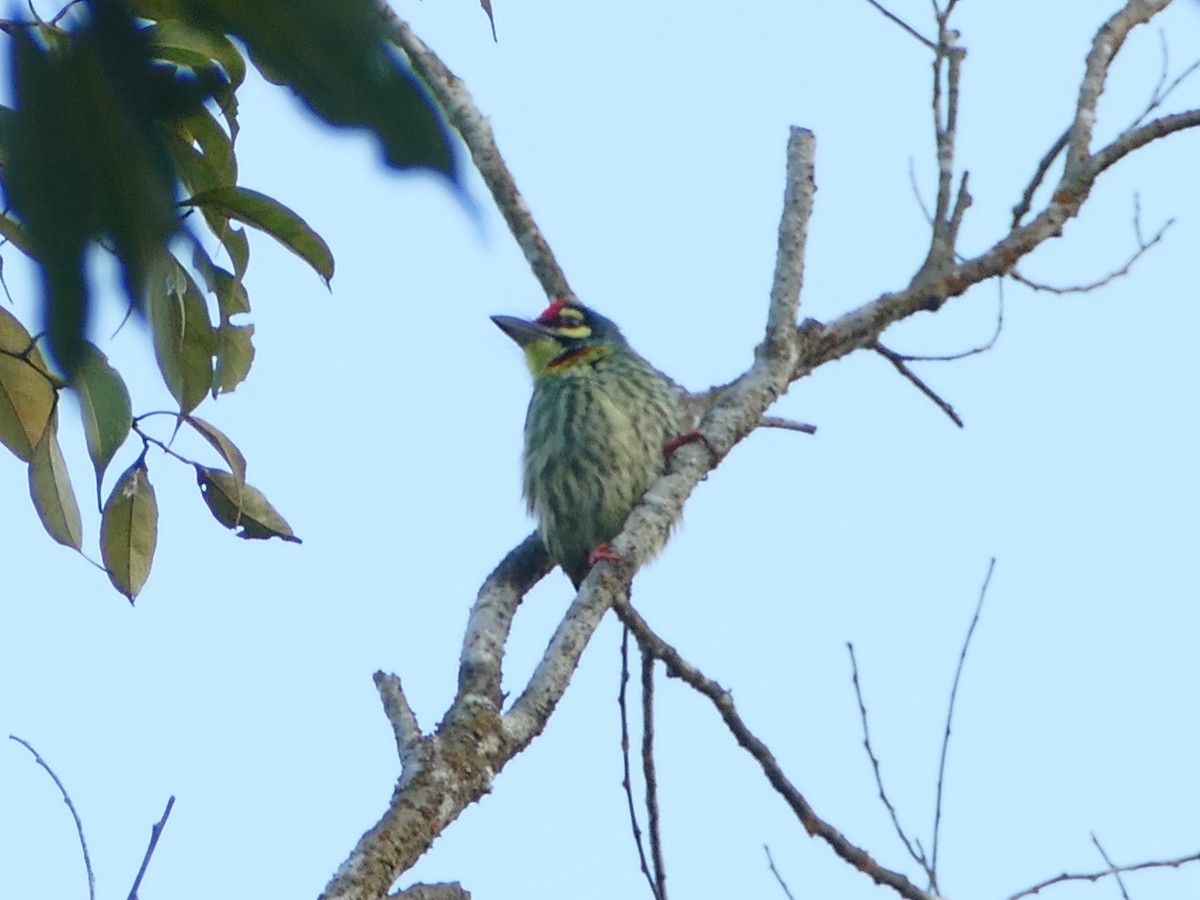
(723, 701)
(455, 100)
(87, 860)
(455, 765)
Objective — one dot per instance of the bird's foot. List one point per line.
(603, 551)
(691, 437)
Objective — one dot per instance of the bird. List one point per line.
(599, 427)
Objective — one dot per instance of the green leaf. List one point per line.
(129, 530)
(271, 216)
(223, 445)
(203, 155)
(105, 408)
(235, 355)
(50, 489)
(229, 291)
(333, 53)
(183, 335)
(27, 395)
(254, 514)
(183, 43)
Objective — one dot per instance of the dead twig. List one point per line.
(898, 361)
(913, 851)
(941, 779)
(87, 860)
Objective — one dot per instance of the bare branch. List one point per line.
(155, 833)
(913, 851)
(1105, 46)
(723, 701)
(405, 727)
(793, 234)
(962, 658)
(650, 775)
(450, 890)
(896, 360)
(626, 769)
(786, 424)
(1111, 865)
(1143, 247)
(455, 100)
(1106, 873)
(479, 670)
(775, 872)
(892, 17)
(982, 348)
(1039, 175)
(87, 860)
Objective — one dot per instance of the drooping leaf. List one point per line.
(333, 54)
(254, 514)
(105, 408)
(129, 530)
(229, 291)
(235, 355)
(51, 491)
(26, 392)
(224, 446)
(183, 334)
(269, 215)
(237, 245)
(202, 153)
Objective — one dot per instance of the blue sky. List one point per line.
(384, 420)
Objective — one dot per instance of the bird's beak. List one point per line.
(522, 331)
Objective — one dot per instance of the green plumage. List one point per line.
(598, 422)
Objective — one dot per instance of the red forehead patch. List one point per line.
(551, 312)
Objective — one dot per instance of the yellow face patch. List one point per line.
(540, 353)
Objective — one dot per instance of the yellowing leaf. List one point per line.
(254, 514)
(26, 401)
(129, 530)
(50, 488)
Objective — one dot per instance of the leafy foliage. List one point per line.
(124, 127)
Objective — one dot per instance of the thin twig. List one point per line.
(627, 775)
(1107, 873)
(1039, 175)
(982, 348)
(87, 860)
(455, 100)
(786, 424)
(898, 361)
(775, 872)
(892, 17)
(1111, 865)
(1143, 247)
(962, 658)
(653, 817)
(1161, 93)
(723, 701)
(862, 713)
(155, 834)
(916, 189)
